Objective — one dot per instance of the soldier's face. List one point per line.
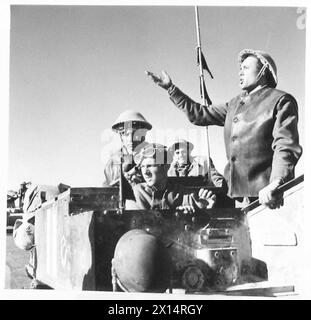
(181, 156)
(153, 173)
(248, 73)
(131, 138)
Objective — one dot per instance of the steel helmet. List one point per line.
(264, 58)
(134, 117)
(141, 262)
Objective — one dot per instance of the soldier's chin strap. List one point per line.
(261, 71)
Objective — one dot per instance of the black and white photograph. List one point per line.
(156, 150)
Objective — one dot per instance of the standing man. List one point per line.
(260, 128)
(132, 128)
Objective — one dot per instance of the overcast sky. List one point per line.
(74, 69)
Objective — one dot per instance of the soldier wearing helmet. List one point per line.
(157, 192)
(132, 128)
(183, 164)
(260, 128)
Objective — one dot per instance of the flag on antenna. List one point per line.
(207, 98)
(204, 64)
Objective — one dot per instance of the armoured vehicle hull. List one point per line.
(218, 250)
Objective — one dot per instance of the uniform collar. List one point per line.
(245, 97)
(255, 91)
(154, 189)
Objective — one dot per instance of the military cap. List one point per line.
(180, 143)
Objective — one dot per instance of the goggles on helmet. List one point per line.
(153, 150)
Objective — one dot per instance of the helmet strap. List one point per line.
(261, 72)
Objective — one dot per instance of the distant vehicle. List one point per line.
(12, 214)
(81, 238)
(15, 204)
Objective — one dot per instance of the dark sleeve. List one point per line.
(285, 143)
(198, 114)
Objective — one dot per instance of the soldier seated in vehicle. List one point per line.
(157, 192)
(183, 164)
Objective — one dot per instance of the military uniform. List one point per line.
(112, 168)
(171, 197)
(195, 169)
(261, 136)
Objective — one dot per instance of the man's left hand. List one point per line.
(268, 197)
